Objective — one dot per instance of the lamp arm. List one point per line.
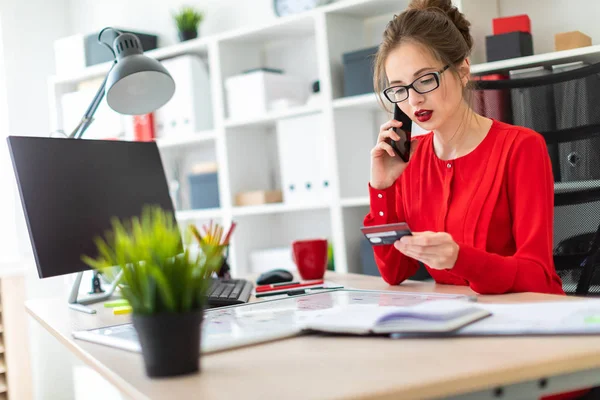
(87, 118)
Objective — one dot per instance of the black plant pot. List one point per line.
(187, 35)
(170, 342)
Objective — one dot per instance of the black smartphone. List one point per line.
(402, 146)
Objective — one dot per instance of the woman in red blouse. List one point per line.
(477, 193)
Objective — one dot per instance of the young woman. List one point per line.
(477, 193)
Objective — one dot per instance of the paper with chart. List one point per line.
(546, 318)
(230, 327)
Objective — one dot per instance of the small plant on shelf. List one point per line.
(187, 20)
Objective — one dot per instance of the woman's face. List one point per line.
(410, 61)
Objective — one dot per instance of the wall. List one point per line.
(8, 238)
(27, 51)
(154, 16)
(549, 17)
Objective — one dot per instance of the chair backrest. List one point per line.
(562, 102)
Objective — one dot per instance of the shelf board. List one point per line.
(363, 101)
(186, 139)
(271, 118)
(589, 54)
(355, 201)
(276, 208)
(293, 26)
(196, 46)
(366, 8)
(208, 213)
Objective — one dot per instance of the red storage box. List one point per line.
(516, 23)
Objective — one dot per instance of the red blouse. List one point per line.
(497, 203)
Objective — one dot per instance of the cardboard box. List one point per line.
(258, 197)
(515, 23)
(571, 40)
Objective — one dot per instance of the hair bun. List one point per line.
(446, 6)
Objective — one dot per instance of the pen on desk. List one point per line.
(296, 291)
(287, 285)
(282, 284)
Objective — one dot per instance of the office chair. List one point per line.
(577, 258)
(560, 103)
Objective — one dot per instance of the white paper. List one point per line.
(561, 317)
(235, 326)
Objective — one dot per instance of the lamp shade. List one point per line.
(137, 84)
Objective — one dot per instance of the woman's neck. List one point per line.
(461, 134)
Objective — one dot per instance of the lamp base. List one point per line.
(81, 304)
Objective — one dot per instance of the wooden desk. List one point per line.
(311, 367)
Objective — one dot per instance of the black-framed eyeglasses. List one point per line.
(423, 84)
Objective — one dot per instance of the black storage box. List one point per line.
(358, 71)
(508, 45)
(95, 53)
(533, 107)
(576, 103)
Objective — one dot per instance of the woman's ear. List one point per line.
(464, 71)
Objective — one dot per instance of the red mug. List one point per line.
(310, 257)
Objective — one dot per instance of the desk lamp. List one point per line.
(135, 85)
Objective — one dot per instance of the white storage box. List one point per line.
(190, 109)
(69, 54)
(267, 259)
(304, 159)
(255, 93)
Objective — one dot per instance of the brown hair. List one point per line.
(435, 24)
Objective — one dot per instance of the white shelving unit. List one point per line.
(187, 140)
(308, 45)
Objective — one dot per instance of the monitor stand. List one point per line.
(81, 304)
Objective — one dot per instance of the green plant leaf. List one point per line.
(158, 274)
(188, 19)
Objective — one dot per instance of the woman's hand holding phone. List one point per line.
(386, 165)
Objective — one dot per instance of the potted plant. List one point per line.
(187, 21)
(165, 285)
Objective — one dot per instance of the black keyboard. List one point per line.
(229, 292)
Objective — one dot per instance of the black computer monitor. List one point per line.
(70, 189)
